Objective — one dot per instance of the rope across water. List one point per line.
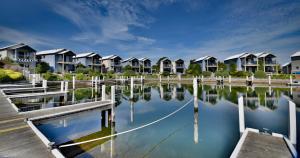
(131, 130)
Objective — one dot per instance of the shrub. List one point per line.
(42, 67)
(51, 77)
(165, 74)
(81, 76)
(82, 70)
(240, 74)
(222, 73)
(10, 75)
(68, 76)
(282, 76)
(206, 73)
(129, 73)
(260, 74)
(194, 69)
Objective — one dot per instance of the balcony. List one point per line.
(212, 65)
(270, 62)
(167, 65)
(250, 63)
(66, 62)
(25, 60)
(179, 65)
(147, 66)
(117, 64)
(135, 65)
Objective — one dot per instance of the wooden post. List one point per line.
(103, 93)
(159, 78)
(168, 78)
(291, 80)
(269, 79)
(292, 121)
(229, 79)
(241, 114)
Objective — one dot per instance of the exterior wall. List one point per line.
(286, 69)
(82, 61)
(3, 54)
(295, 65)
(50, 59)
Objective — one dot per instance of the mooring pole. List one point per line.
(61, 86)
(73, 79)
(241, 114)
(66, 86)
(103, 93)
(131, 88)
(292, 121)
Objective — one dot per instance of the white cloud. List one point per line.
(15, 36)
(106, 21)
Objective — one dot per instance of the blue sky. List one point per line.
(153, 28)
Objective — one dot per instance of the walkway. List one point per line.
(16, 137)
(260, 145)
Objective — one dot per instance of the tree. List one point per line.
(127, 68)
(222, 66)
(42, 67)
(232, 68)
(155, 68)
(194, 69)
(260, 65)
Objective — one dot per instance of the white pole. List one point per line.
(195, 86)
(103, 93)
(66, 86)
(252, 78)
(113, 91)
(159, 78)
(168, 78)
(269, 77)
(196, 138)
(96, 84)
(92, 81)
(61, 86)
(141, 79)
(241, 114)
(202, 78)
(229, 79)
(131, 88)
(73, 79)
(33, 80)
(291, 79)
(292, 121)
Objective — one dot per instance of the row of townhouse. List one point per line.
(250, 62)
(168, 66)
(64, 60)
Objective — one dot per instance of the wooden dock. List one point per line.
(18, 140)
(259, 145)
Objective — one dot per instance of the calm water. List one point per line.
(212, 131)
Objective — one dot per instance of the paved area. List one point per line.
(264, 146)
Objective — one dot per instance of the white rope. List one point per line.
(131, 130)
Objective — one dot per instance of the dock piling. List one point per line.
(241, 114)
(61, 86)
(103, 93)
(292, 121)
(73, 79)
